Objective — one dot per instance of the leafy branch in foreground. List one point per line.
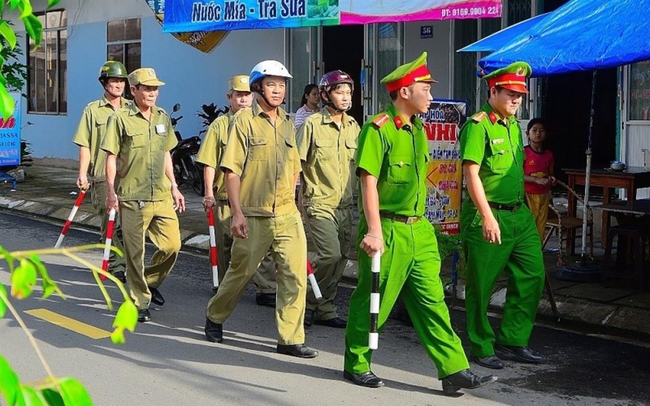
(25, 268)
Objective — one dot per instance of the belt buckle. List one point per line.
(411, 220)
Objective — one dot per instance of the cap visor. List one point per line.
(152, 83)
(516, 88)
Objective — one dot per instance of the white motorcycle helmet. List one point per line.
(268, 68)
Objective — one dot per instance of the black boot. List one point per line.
(213, 331)
(465, 379)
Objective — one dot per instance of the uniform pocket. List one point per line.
(351, 148)
(325, 149)
(500, 159)
(258, 149)
(399, 170)
(135, 138)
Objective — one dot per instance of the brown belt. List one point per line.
(400, 218)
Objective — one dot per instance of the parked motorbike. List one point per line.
(187, 171)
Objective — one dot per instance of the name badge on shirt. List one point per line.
(160, 129)
(498, 141)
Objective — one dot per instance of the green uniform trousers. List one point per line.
(285, 236)
(264, 278)
(159, 219)
(98, 195)
(410, 265)
(332, 237)
(520, 254)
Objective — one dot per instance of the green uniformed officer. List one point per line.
(392, 163)
(498, 230)
(239, 97)
(261, 164)
(327, 143)
(92, 159)
(140, 181)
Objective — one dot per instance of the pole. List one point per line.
(213, 250)
(68, 222)
(373, 337)
(312, 281)
(109, 241)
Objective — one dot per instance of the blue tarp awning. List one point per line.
(501, 38)
(581, 35)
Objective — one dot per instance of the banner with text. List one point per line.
(10, 135)
(210, 15)
(445, 176)
(204, 41)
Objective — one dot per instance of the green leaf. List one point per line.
(15, 3)
(117, 336)
(72, 393)
(25, 8)
(127, 316)
(30, 397)
(34, 29)
(23, 279)
(3, 297)
(52, 3)
(49, 286)
(8, 33)
(9, 384)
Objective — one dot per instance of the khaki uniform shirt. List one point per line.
(495, 144)
(328, 153)
(90, 133)
(266, 159)
(140, 146)
(212, 147)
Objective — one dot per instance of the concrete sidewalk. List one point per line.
(50, 193)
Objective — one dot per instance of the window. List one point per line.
(123, 37)
(639, 91)
(48, 66)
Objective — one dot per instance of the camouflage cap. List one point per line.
(144, 76)
(407, 74)
(512, 77)
(239, 83)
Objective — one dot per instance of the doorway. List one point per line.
(342, 49)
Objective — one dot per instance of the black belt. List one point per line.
(400, 218)
(507, 207)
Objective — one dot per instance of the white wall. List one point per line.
(439, 53)
(192, 77)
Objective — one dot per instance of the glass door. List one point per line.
(303, 56)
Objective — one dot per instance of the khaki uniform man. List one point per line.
(216, 198)
(327, 143)
(261, 164)
(138, 141)
(92, 159)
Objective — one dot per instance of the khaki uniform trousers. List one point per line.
(264, 278)
(98, 195)
(159, 219)
(332, 237)
(285, 236)
(538, 205)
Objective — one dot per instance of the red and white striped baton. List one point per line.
(213, 250)
(312, 281)
(68, 222)
(373, 336)
(109, 241)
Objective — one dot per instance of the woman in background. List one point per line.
(308, 104)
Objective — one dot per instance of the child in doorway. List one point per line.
(538, 172)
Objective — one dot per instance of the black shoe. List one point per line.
(121, 275)
(336, 322)
(144, 315)
(367, 379)
(309, 318)
(265, 299)
(519, 354)
(156, 297)
(492, 362)
(465, 379)
(213, 331)
(297, 350)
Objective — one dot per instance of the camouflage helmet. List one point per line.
(112, 69)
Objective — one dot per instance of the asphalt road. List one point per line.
(168, 361)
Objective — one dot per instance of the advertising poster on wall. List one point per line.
(10, 135)
(445, 176)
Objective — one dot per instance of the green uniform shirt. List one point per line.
(327, 153)
(266, 159)
(90, 133)
(397, 154)
(496, 145)
(140, 146)
(211, 151)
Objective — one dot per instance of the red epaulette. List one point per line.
(381, 119)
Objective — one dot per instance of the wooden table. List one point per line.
(630, 179)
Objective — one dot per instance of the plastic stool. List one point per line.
(620, 269)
